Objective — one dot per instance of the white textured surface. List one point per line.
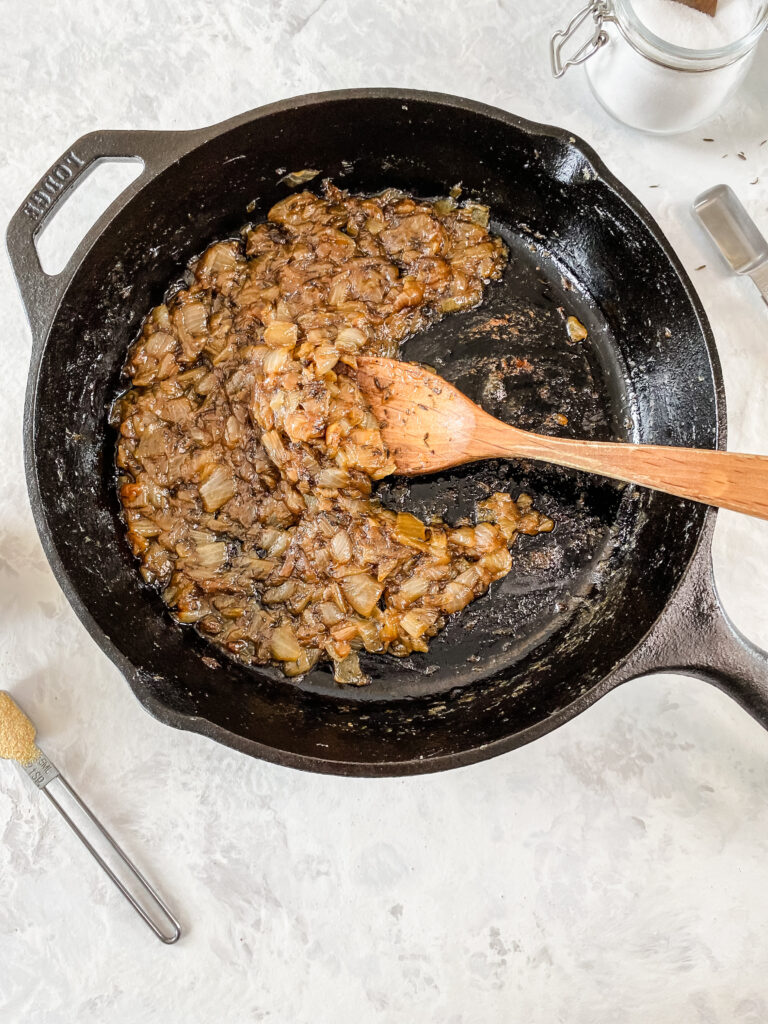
(614, 871)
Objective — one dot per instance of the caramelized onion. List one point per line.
(275, 360)
(332, 477)
(281, 334)
(283, 644)
(217, 488)
(247, 455)
(362, 592)
(341, 547)
(348, 671)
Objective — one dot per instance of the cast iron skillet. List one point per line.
(622, 587)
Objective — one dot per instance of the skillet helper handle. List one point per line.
(695, 636)
(142, 896)
(719, 652)
(41, 292)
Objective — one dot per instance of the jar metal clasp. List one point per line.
(600, 12)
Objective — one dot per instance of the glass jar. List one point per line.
(645, 81)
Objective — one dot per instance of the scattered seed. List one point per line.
(764, 142)
(741, 156)
(707, 140)
(701, 267)
(653, 186)
(754, 181)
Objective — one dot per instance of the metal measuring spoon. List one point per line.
(17, 743)
(735, 234)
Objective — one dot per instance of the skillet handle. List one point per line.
(694, 636)
(41, 292)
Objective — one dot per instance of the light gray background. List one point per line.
(612, 872)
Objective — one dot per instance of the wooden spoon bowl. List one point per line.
(428, 426)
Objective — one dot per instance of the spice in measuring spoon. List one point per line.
(17, 733)
(17, 743)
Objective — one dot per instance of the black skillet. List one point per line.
(624, 585)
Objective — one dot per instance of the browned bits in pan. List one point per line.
(247, 455)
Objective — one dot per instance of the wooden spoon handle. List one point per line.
(725, 479)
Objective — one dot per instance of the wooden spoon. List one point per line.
(428, 425)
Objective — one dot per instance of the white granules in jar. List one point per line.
(662, 89)
(685, 26)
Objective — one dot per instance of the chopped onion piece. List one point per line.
(348, 671)
(362, 592)
(410, 530)
(279, 544)
(275, 360)
(497, 562)
(412, 589)
(576, 329)
(456, 302)
(298, 177)
(369, 631)
(274, 446)
(145, 528)
(478, 213)
(260, 568)
(217, 488)
(188, 617)
(470, 577)
(350, 339)
(211, 555)
(194, 317)
(159, 343)
(234, 432)
(325, 358)
(219, 258)
(341, 547)
(206, 384)
(306, 660)
(454, 597)
(443, 206)
(281, 334)
(276, 595)
(417, 621)
(332, 478)
(329, 614)
(283, 644)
